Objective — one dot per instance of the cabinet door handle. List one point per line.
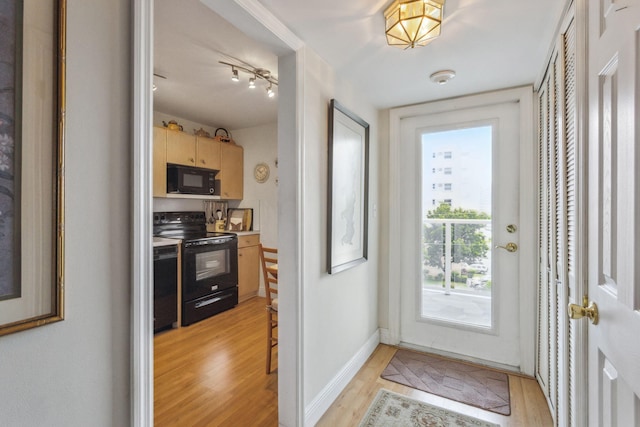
(203, 162)
(191, 160)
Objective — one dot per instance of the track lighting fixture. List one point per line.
(160, 76)
(255, 74)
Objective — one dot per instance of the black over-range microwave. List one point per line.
(192, 180)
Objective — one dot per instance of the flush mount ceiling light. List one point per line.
(412, 23)
(255, 74)
(442, 77)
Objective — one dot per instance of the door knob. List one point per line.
(587, 309)
(509, 247)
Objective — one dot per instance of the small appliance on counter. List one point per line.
(209, 264)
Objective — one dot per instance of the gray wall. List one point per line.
(76, 372)
(340, 310)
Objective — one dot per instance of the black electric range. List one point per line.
(209, 264)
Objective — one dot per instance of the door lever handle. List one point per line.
(509, 247)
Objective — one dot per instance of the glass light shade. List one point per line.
(411, 23)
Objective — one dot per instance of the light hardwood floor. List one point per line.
(528, 405)
(212, 374)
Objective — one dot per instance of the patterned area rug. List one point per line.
(463, 382)
(395, 410)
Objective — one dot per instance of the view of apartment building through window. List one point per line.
(460, 165)
(456, 229)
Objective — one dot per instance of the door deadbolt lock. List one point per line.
(587, 309)
(512, 228)
(509, 247)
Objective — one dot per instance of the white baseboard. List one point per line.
(314, 411)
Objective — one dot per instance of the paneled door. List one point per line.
(614, 212)
(461, 231)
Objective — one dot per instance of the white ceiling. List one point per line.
(189, 40)
(491, 44)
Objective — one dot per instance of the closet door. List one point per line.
(558, 228)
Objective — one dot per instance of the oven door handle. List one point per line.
(204, 303)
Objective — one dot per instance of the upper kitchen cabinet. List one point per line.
(181, 148)
(207, 153)
(231, 171)
(159, 162)
(190, 150)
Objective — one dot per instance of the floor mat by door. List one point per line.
(460, 381)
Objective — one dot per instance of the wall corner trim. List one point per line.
(386, 338)
(324, 399)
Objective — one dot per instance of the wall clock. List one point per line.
(261, 172)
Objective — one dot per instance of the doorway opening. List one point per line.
(207, 122)
(442, 220)
(284, 44)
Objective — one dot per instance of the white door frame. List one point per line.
(528, 197)
(255, 20)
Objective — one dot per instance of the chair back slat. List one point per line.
(269, 258)
(269, 262)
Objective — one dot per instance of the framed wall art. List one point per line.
(348, 189)
(32, 100)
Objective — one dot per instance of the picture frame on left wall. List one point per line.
(32, 107)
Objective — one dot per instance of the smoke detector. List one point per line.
(442, 77)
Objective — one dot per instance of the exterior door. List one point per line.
(460, 233)
(614, 212)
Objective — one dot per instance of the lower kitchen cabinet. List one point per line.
(248, 266)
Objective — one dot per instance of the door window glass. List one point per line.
(456, 232)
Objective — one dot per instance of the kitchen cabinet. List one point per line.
(159, 162)
(207, 153)
(181, 148)
(248, 266)
(190, 150)
(231, 171)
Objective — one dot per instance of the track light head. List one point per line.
(255, 74)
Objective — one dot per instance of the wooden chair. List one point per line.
(269, 259)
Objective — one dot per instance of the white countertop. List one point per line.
(243, 233)
(163, 241)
